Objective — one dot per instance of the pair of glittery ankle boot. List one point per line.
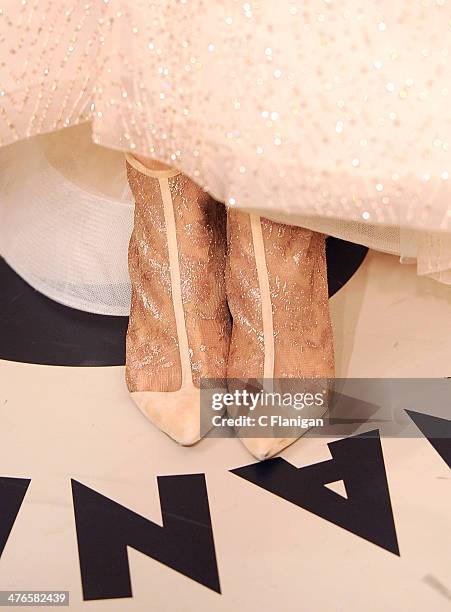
(221, 295)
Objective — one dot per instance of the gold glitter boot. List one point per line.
(277, 293)
(179, 327)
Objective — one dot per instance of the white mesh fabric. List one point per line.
(61, 229)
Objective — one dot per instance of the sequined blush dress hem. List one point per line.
(337, 117)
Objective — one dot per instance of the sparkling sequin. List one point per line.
(337, 95)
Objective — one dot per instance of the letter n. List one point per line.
(105, 529)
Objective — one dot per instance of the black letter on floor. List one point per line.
(12, 493)
(437, 431)
(359, 462)
(105, 529)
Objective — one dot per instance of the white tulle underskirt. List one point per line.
(66, 215)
